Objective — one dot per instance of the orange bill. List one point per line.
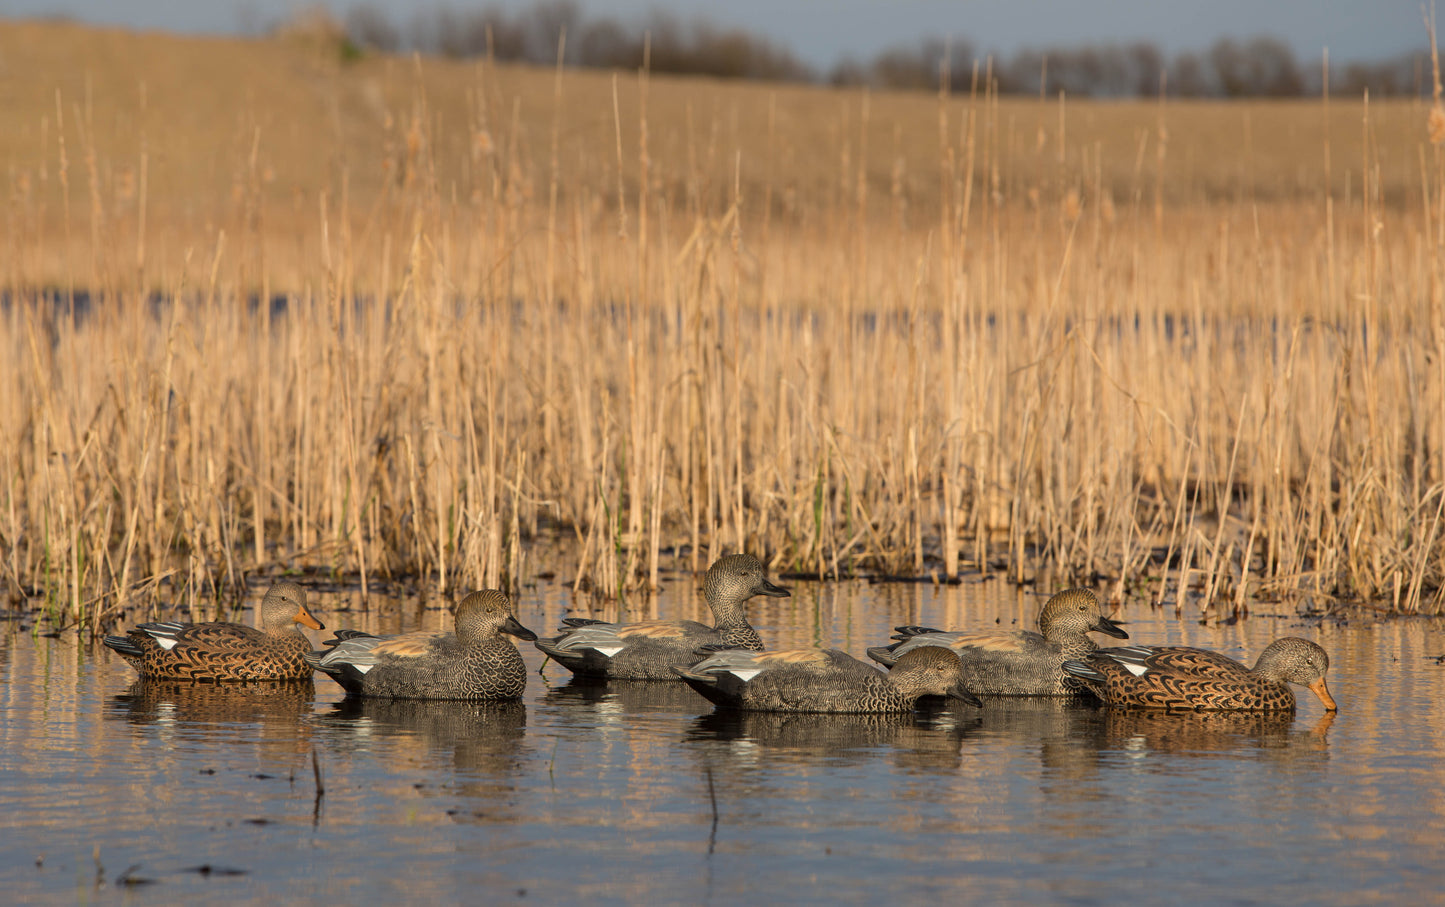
(1320, 690)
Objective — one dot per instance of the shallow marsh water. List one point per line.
(113, 791)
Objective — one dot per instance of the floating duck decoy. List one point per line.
(217, 651)
(647, 650)
(1183, 678)
(475, 662)
(1022, 662)
(824, 680)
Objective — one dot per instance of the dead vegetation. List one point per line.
(399, 318)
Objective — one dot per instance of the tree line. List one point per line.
(1230, 68)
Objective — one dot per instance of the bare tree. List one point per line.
(544, 25)
(1258, 67)
(367, 26)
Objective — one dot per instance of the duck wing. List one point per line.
(1184, 661)
(215, 636)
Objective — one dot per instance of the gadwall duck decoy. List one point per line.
(824, 680)
(1183, 678)
(1022, 662)
(474, 662)
(648, 650)
(219, 651)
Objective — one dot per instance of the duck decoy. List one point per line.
(1184, 678)
(1022, 662)
(647, 650)
(824, 680)
(218, 651)
(474, 662)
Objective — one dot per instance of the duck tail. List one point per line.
(883, 655)
(123, 645)
(910, 631)
(687, 673)
(343, 635)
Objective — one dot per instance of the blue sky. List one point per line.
(822, 31)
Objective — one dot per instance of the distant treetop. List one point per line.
(1230, 68)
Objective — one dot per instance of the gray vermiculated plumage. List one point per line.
(824, 680)
(217, 651)
(1022, 662)
(647, 650)
(476, 662)
(1181, 678)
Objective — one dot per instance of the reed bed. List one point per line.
(403, 320)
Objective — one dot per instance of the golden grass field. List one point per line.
(1190, 352)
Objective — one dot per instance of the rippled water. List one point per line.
(110, 790)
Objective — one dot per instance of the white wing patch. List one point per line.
(165, 642)
(609, 651)
(364, 668)
(745, 674)
(1134, 669)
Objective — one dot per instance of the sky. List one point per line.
(821, 32)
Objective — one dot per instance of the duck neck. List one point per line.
(1076, 645)
(487, 649)
(744, 637)
(899, 696)
(728, 615)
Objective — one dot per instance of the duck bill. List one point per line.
(304, 618)
(517, 630)
(1109, 628)
(1322, 691)
(773, 590)
(963, 695)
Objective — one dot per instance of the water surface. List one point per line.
(112, 790)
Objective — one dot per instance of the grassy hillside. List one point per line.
(206, 134)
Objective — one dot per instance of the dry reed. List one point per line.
(397, 320)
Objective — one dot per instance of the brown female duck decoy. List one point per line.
(824, 680)
(647, 650)
(220, 651)
(475, 662)
(1183, 678)
(1022, 662)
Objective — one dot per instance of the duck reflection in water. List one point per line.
(624, 696)
(482, 741)
(1156, 737)
(1152, 731)
(273, 713)
(930, 738)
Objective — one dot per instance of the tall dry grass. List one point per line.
(403, 319)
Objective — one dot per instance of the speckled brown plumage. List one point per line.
(648, 650)
(1022, 662)
(222, 652)
(824, 680)
(474, 663)
(1183, 678)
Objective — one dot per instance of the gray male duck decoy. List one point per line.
(824, 680)
(1180, 678)
(218, 651)
(647, 650)
(1021, 662)
(475, 662)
